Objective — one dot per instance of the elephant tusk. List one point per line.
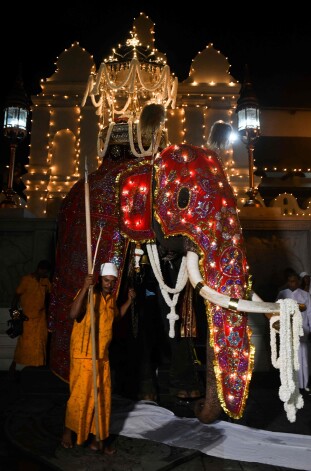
(255, 297)
(242, 305)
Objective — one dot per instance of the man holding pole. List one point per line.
(89, 408)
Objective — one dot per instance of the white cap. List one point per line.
(108, 269)
(303, 273)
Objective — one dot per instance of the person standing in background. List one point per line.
(305, 281)
(32, 294)
(293, 291)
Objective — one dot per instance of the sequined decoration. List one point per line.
(71, 254)
(210, 220)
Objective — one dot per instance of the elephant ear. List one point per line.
(220, 134)
(151, 119)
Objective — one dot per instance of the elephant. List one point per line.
(179, 198)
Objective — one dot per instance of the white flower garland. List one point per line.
(287, 362)
(138, 253)
(102, 152)
(180, 284)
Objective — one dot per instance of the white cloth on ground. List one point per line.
(220, 439)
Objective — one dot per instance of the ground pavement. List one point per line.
(31, 419)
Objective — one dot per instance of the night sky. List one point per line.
(276, 46)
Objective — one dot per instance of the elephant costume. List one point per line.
(180, 195)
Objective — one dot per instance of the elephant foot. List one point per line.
(207, 412)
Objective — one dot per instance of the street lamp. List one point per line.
(249, 130)
(16, 111)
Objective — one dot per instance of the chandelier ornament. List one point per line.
(133, 76)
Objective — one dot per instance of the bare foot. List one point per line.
(67, 438)
(95, 445)
(104, 446)
(109, 450)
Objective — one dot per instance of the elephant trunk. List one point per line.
(208, 409)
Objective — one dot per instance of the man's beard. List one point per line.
(107, 290)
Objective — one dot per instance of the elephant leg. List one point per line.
(208, 409)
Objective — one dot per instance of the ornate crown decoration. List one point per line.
(131, 77)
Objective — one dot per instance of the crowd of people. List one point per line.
(88, 409)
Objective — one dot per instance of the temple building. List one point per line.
(78, 102)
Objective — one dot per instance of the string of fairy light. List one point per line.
(53, 183)
(45, 183)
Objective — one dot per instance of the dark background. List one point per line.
(275, 44)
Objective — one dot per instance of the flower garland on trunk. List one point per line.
(290, 329)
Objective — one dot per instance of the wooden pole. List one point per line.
(90, 295)
(96, 250)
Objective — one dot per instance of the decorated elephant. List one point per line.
(180, 198)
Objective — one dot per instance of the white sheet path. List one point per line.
(221, 439)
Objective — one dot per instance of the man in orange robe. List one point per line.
(32, 295)
(80, 411)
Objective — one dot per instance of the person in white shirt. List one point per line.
(293, 291)
(305, 281)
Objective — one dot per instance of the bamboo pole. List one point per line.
(90, 295)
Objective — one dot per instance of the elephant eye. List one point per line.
(183, 198)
